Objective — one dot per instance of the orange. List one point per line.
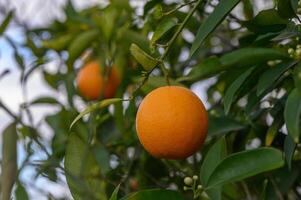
(92, 83)
(171, 122)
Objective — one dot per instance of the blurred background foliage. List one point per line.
(244, 53)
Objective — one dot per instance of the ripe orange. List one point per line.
(171, 122)
(92, 84)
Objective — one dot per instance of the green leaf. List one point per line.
(6, 22)
(223, 125)
(292, 113)
(273, 130)
(99, 105)
(214, 19)
(143, 58)
(21, 193)
(127, 37)
(19, 59)
(248, 9)
(214, 156)
(164, 26)
(268, 78)
(35, 65)
(4, 73)
(9, 161)
(294, 4)
(82, 171)
(158, 194)
(297, 77)
(81, 43)
(59, 43)
(244, 57)
(266, 21)
(245, 164)
(285, 9)
(247, 57)
(102, 157)
(289, 149)
(44, 100)
(230, 95)
(292, 30)
(205, 69)
(150, 5)
(154, 82)
(115, 193)
(52, 80)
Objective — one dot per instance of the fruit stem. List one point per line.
(165, 72)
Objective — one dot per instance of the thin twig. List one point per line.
(168, 46)
(179, 7)
(9, 112)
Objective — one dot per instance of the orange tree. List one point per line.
(251, 55)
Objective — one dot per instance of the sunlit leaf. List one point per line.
(115, 193)
(273, 130)
(59, 43)
(143, 58)
(99, 105)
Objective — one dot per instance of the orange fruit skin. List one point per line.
(171, 122)
(92, 84)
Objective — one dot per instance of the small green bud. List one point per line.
(298, 52)
(188, 181)
(185, 188)
(195, 177)
(271, 63)
(290, 51)
(200, 187)
(298, 46)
